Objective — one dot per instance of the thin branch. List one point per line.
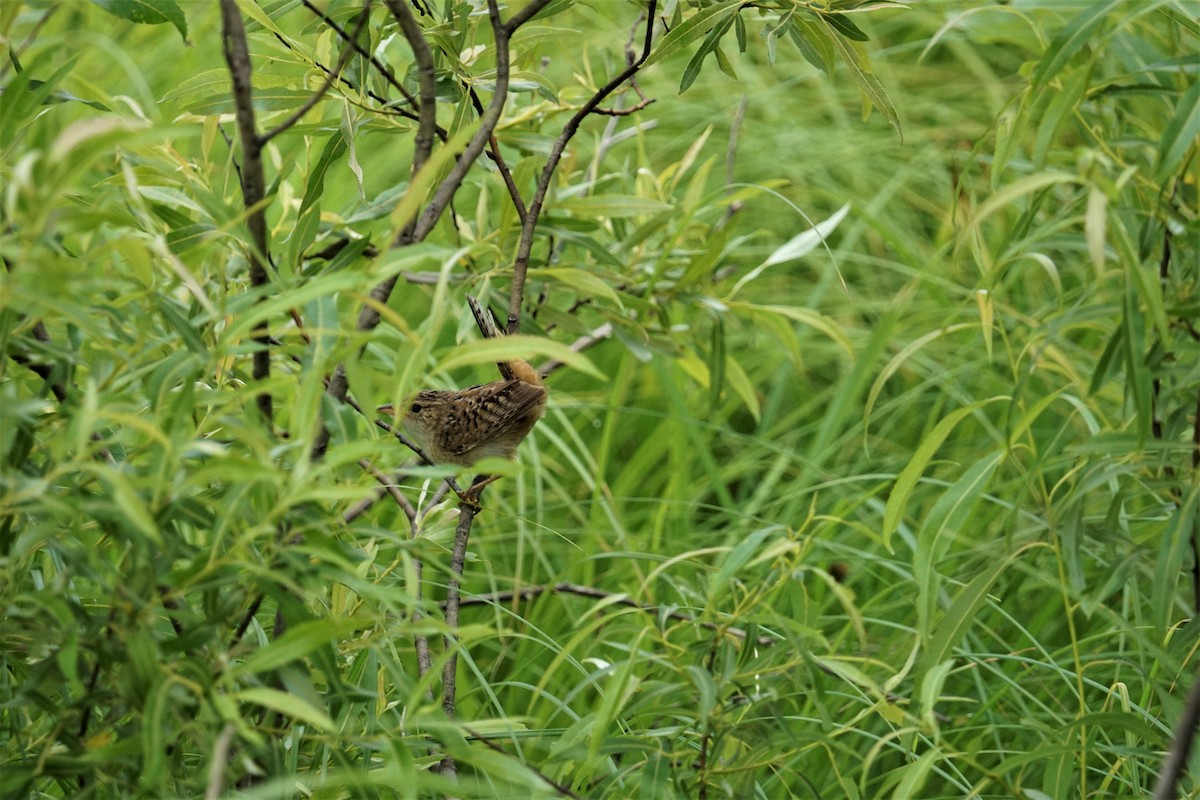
(497, 157)
(1181, 747)
(462, 534)
(525, 246)
(487, 126)
(578, 346)
(624, 112)
(382, 68)
(524, 15)
(411, 445)
(330, 77)
(426, 84)
(19, 51)
(735, 130)
(43, 371)
(247, 618)
(387, 485)
(237, 56)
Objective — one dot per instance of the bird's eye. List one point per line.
(415, 408)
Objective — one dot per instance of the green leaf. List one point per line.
(869, 86)
(961, 612)
(907, 480)
(148, 12)
(505, 348)
(813, 42)
(692, 70)
(941, 526)
(1070, 40)
(805, 316)
(588, 284)
(692, 28)
(286, 704)
(1180, 134)
(845, 26)
(612, 206)
(296, 643)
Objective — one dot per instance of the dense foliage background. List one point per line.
(874, 473)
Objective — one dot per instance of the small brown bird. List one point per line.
(462, 427)
(489, 420)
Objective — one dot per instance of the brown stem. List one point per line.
(426, 84)
(462, 534)
(1181, 746)
(237, 56)
(487, 126)
(525, 246)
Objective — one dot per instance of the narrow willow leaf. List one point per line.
(907, 480)
(872, 90)
(1180, 134)
(148, 12)
(897, 361)
(961, 612)
(692, 28)
(987, 312)
(286, 704)
(588, 284)
(914, 774)
(942, 525)
(296, 643)
(612, 206)
(519, 346)
(1070, 40)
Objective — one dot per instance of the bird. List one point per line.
(464, 426)
(467, 425)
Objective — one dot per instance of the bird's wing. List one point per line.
(491, 410)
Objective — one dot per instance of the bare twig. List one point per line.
(330, 77)
(462, 534)
(382, 68)
(497, 157)
(387, 486)
(426, 84)
(1181, 747)
(524, 15)
(525, 246)
(624, 112)
(237, 56)
(578, 346)
(487, 126)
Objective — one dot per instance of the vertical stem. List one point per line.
(237, 56)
